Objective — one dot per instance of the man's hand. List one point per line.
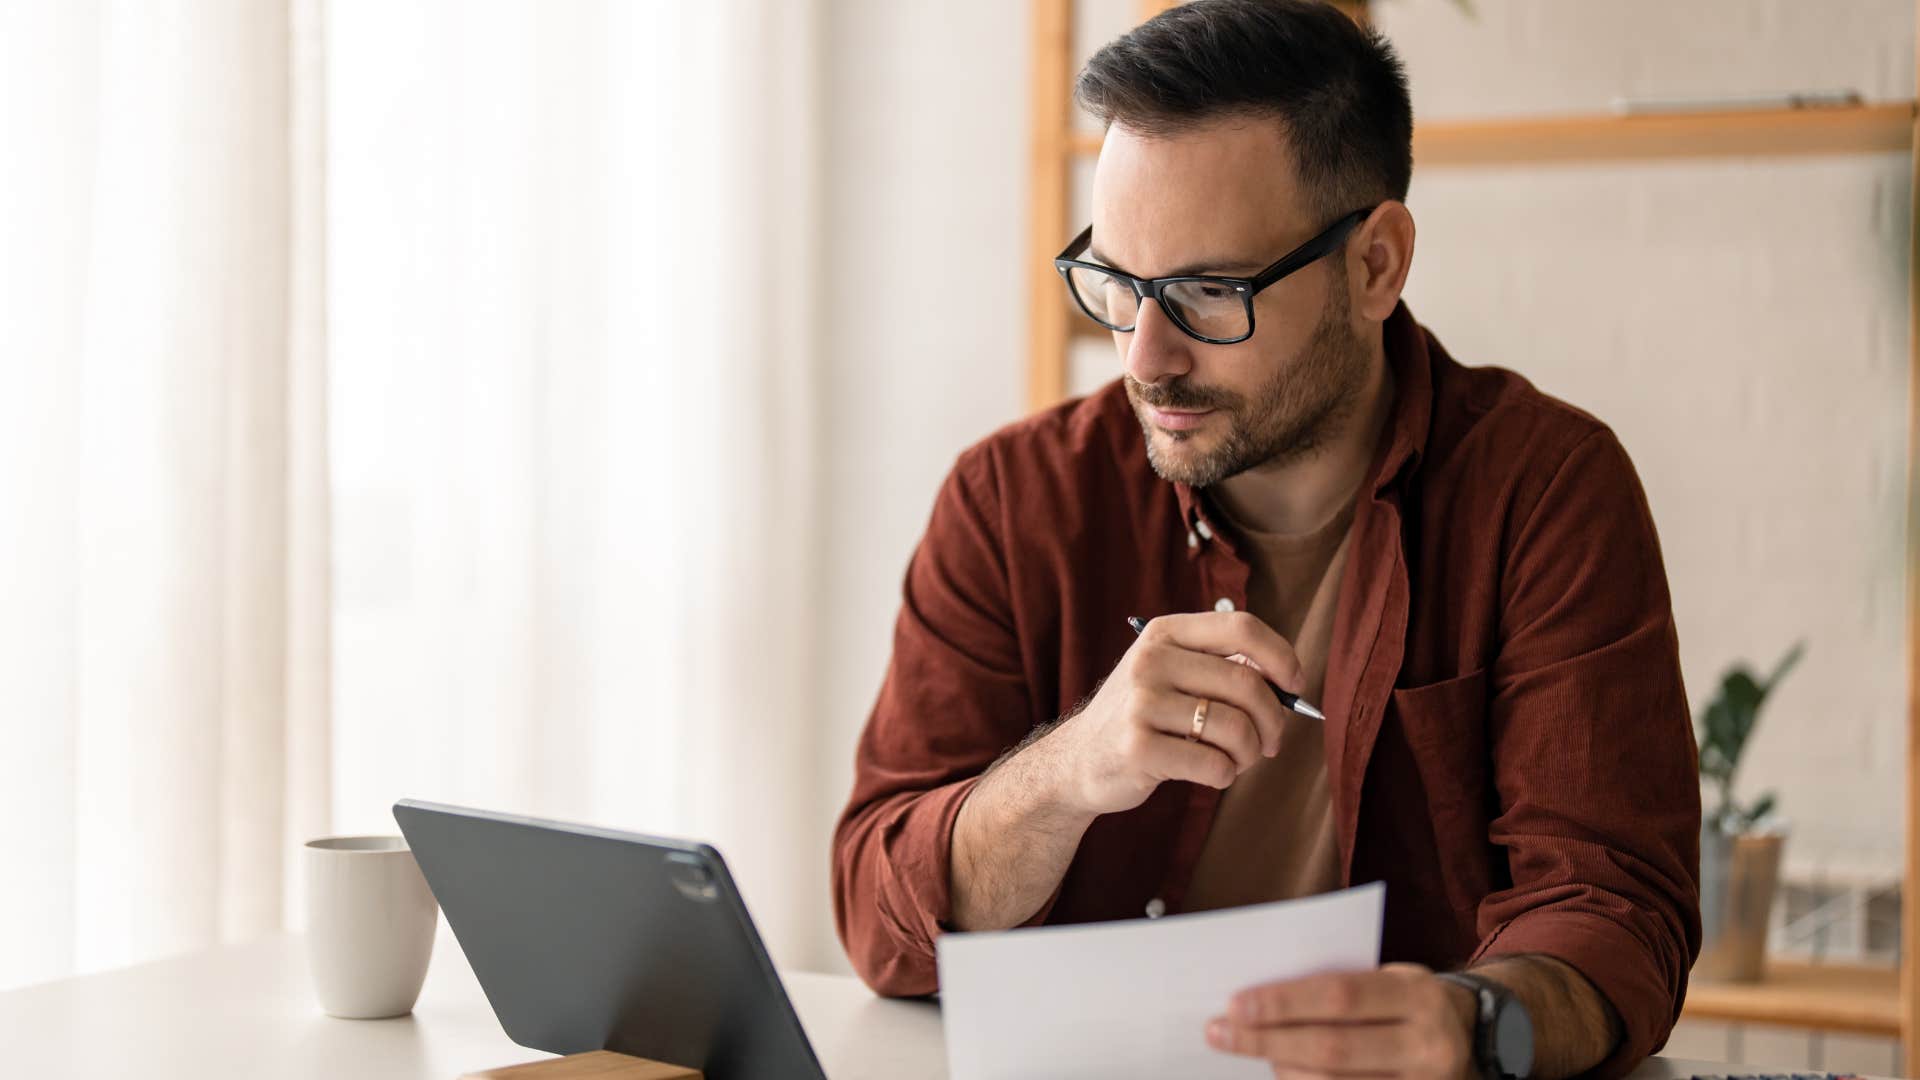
(1399, 1021)
(1018, 829)
(1132, 736)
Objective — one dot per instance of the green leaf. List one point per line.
(1721, 736)
(1714, 766)
(1742, 696)
(1785, 665)
(1724, 729)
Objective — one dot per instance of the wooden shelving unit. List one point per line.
(1824, 997)
(1526, 140)
(1863, 1000)
(1054, 150)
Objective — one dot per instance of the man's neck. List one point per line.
(1301, 495)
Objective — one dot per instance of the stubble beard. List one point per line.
(1293, 415)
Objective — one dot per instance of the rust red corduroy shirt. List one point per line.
(1508, 743)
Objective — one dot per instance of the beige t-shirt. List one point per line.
(1272, 835)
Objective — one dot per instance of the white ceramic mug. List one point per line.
(370, 925)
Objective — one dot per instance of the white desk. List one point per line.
(249, 1011)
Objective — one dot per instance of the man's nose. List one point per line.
(1157, 348)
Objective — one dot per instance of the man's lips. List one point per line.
(1177, 419)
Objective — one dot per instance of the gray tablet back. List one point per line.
(592, 939)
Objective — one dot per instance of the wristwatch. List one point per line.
(1502, 1030)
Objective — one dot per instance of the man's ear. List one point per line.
(1378, 256)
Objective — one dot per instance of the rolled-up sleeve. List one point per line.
(1594, 758)
(954, 699)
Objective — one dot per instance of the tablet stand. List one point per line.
(595, 1065)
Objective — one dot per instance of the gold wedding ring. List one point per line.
(1199, 720)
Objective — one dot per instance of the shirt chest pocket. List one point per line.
(1444, 726)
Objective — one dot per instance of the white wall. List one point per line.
(926, 158)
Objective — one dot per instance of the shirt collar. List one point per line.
(1402, 440)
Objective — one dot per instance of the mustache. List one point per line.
(1178, 394)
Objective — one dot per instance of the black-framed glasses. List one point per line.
(1216, 310)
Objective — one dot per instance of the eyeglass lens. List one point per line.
(1206, 308)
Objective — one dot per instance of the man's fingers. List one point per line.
(1196, 762)
(1396, 1020)
(1337, 997)
(1170, 712)
(1232, 731)
(1224, 633)
(1384, 1048)
(1202, 676)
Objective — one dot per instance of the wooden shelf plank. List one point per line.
(1771, 132)
(1824, 997)
(1856, 129)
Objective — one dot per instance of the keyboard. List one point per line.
(1773, 1076)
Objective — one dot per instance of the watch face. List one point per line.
(1513, 1039)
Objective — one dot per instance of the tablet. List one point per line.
(593, 939)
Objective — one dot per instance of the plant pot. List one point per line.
(1739, 875)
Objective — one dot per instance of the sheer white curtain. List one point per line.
(572, 349)
(161, 636)
(520, 429)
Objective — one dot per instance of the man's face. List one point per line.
(1222, 198)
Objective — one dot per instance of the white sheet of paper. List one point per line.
(1132, 998)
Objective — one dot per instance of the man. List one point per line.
(1461, 571)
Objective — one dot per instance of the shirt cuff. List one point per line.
(916, 901)
(1619, 964)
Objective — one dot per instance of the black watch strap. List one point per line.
(1492, 1001)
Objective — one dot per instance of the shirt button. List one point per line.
(1223, 604)
(1156, 907)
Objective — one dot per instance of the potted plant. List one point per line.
(1740, 843)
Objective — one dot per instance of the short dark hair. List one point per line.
(1337, 89)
